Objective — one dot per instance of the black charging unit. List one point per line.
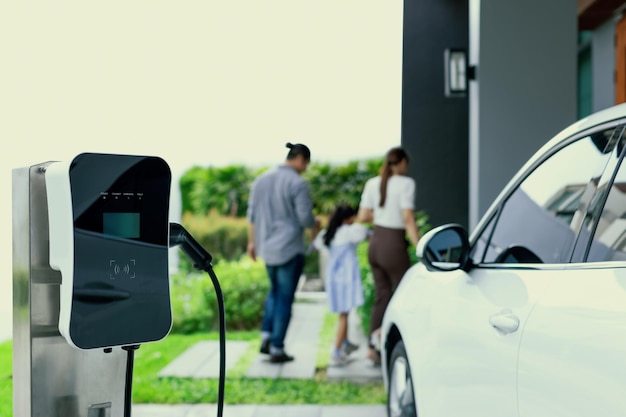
(109, 237)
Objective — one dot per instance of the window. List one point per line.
(609, 237)
(540, 220)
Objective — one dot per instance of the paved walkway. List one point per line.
(302, 340)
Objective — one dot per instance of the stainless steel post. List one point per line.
(50, 378)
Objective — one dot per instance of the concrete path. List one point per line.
(202, 360)
(302, 341)
(359, 369)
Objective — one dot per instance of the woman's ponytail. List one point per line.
(393, 157)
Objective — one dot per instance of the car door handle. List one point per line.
(504, 323)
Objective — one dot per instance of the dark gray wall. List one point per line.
(525, 91)
(435, 128)
(603, 66)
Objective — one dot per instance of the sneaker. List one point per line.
(339, 358)
(281, 358)
(375, 341)
(349, 348)
(265, 347)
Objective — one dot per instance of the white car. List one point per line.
(527, 316)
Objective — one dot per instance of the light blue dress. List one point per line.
(343, 276)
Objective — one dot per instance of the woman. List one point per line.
(387, 201)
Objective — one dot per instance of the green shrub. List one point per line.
(224, 237)
(224, 189)
(189, 307)
(244, 287)
(333, 184)
(367, 278)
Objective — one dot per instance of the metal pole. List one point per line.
(50, 378)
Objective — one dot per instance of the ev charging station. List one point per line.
(90, 281)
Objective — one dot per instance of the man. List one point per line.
(279, 209)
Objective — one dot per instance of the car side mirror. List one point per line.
(444, 248)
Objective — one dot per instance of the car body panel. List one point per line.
(573, 350)
(457, 357)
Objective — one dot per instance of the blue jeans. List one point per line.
(283, 282)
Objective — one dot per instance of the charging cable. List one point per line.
(128, 392)
(202, 260)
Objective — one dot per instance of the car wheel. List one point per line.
(400, 399)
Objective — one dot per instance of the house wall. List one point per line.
(525, 92)
(435, 128)
(603, 66)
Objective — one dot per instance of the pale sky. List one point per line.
(196, 83)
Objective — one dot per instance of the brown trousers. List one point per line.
(389, 260)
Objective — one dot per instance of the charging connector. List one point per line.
(179, 236)
(202, 259)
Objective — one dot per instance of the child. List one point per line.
(343, 276)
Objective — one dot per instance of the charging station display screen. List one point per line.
(124, 225)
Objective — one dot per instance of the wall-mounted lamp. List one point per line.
(457, 72)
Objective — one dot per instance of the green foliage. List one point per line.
(327, 338)
(191, 184)
(189, 307)
(335, 184)
(244, 286)
(367, 278)
(224, 189)
(6, 381)
(224, 237)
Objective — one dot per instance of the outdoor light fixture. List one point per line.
(457, 72)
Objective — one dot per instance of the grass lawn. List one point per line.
(6, 383)
(152, 357)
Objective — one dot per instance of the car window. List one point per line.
(540, 219)
(609, 230)
(482, 242)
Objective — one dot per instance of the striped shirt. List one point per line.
(280, 208)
